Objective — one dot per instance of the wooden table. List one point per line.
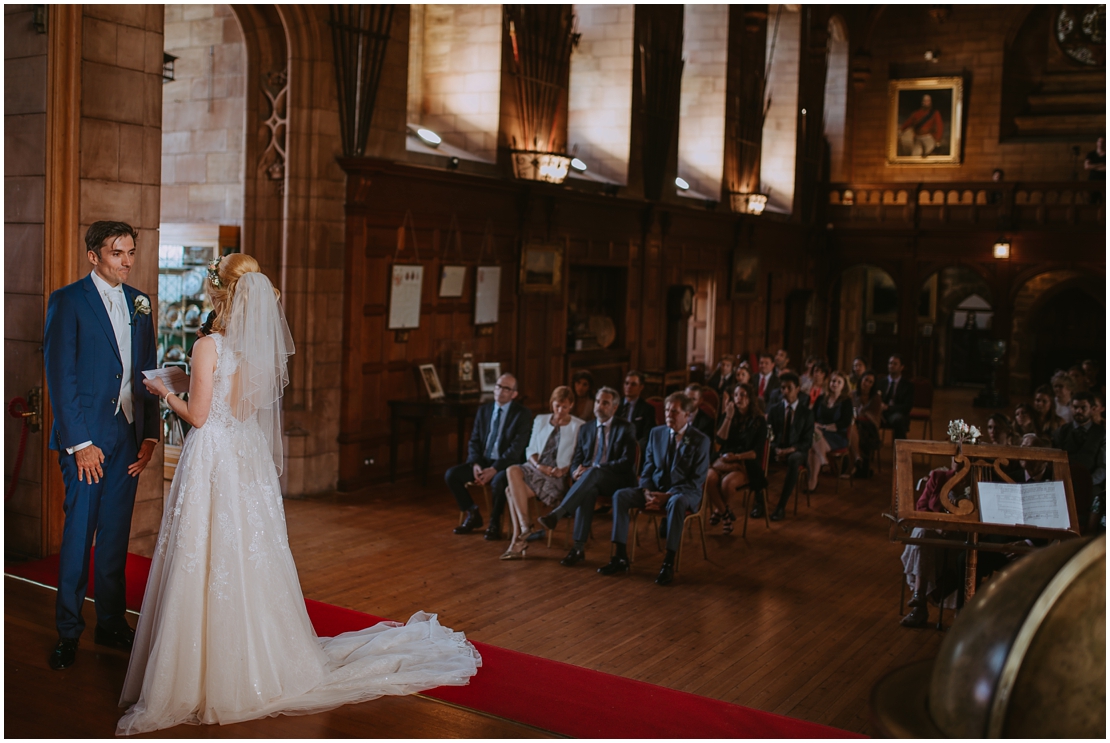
(421, 412)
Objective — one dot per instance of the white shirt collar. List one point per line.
(103, 286)
(791, 406)
(681, 431)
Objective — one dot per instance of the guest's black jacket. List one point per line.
(620, 460)
(902, 401)
(643, 419)
(800, 435)
(516, 430)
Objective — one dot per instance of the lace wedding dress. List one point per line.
(224, 635)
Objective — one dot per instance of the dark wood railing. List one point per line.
(989, 205)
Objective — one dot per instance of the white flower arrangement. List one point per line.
(962, 433)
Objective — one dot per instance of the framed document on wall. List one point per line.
(541, 268)
(404, 296)
(487, 295)
(451, 280)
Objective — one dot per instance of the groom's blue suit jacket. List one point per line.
(84, 367)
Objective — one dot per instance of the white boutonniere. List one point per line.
(142, 307)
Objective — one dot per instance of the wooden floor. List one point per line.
(799, 620)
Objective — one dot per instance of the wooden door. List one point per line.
(699, 336)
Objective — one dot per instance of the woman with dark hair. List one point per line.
(1025, 419)
(1062, 389)
(582, 383)
(741, 436)
(1044, 403)
(863, 438)
(819, 376)
(999, 430)
(832, 417)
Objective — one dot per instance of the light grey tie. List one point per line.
(121, 325)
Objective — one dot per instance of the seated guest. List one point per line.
(897, 393)
(1034, 471)
(832, 416)
(1000, 433)
(676, 461)
(1085, 444)
(863, 438)
(1097, 411)
(768, 381)
(782, 361)
(1025, 419)
(806, 377)
(919, 561)
(583, 385)
(604, 458)
(702, 420)
(1048, 422)
(635, 410)
(743, 374)
(724, 376)
(1078, 379)
(792, 427)
(544, 473)
(497, 441)
(1062, 390)
(741, 436)
(858, 368)
(1094, 383)
(819, 381)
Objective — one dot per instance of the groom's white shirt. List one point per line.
(115, 304)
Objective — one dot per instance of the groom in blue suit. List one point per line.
(99, 338)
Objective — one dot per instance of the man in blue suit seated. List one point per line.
(499, 437)
(675, 465)
(604, 460)
(99, 337)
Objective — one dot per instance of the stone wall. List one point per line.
(204, 110)
(781, 125)
(461, 84)
(25, 52)
(599, 123)
(701, 127)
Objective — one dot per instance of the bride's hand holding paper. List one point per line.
(168, 379)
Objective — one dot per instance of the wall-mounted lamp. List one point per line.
(578, 165)
(548, 167)
(1002, 249)
(748, 203)
(167, 67)
(428, 137)
(38, 18)
(681, 183)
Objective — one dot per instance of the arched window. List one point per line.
(780, 127)
(836, 99)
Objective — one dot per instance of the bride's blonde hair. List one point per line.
(230, 269)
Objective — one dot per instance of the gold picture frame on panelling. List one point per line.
(925, 124)
(541, 267)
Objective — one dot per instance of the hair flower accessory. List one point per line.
(962, 433)
(214, 272)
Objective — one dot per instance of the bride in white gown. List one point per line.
(223, 635)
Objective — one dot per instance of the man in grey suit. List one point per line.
(676, 462)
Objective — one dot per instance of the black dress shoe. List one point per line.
(122, 637)
(666, 574)
(779, 514)
(472, 521)
(493, 532)
(757, 512)
(573, 557)
(614, 566)
(919, 617)
(549, 521)
(65, 652)
(918, 599)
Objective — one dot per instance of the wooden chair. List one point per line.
(709, 410)
(698, 516)
(840, 461)
(709, 395)
(483, 494)
(923, 406)
(659, 404)
(749, 493)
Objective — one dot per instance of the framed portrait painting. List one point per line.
(925, 125)
(745, 275)
(541, 267)
(488, 374)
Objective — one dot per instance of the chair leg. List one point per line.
(701, 528)
(747, 509)
(902, 597)
(633, 519)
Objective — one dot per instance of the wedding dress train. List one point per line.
(224, 635)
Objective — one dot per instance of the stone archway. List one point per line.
(1033, 294)
(866, 301)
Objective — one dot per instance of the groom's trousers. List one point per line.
(101, 510)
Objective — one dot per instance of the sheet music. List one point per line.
(174, 377)
(1042, 504)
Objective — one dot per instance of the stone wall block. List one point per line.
(100, 156)
(131, 48)
(150, 205)
(99, 40)
(24, 199)
(25, 86)
(24, 143)
(113, 94)
(23, 251)
(131, 148)
(125, 15)
(20, 37)
(153, 44)
(23, 317)
(106, 200)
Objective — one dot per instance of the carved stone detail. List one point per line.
(275, 85)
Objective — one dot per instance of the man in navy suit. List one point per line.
(675, 465)
(500, 435)
(99, 336)
(604, 460)
(791, 423)
(897, 394)
(635, 409)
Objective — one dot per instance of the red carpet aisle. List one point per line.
(546, 694)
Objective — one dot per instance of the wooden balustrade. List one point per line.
(954, 205)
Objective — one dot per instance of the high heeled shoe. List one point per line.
(727, 518)
(515, 554)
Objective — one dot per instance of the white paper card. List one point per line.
(487, 295)
(451, 280)
(404, 297)
(174, 377)
(1042, 504)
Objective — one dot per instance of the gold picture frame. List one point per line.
(541, 268)
(925, 124)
